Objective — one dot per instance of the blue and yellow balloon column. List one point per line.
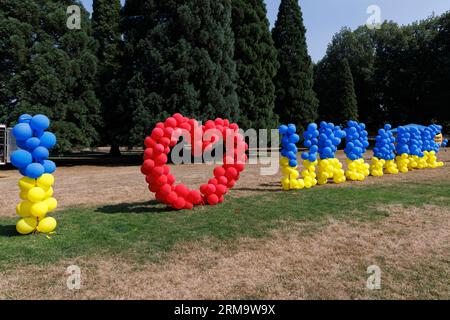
(288, 161)
(430, 147)
(329, 167)
(402, 148)
(36, 187)
(310, 157)
(357, 142)
(384, 153)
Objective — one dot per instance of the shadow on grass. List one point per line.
(152, 206)
(8, 231)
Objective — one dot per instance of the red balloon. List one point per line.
(182, 190)
(179, 203)
(170, 178)
(157, 133)
(188, 206)
(165, 189)
(213, 181)
(231, 184)
(210, 189)
(223, 180)
(171, 197)
(213, 199)
(147, 166)
(171, 122)
(231, 173)
(166, 170)
(161, 180)
(165, 142)
(204, 188)
(153, 188)
(148, 153)
(168, 132)
(149, 142)
(194, 196)
(157, 171)
(158, 148)
(160, 159)
(221, 189)
(219, 171)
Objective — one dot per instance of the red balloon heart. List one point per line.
(165, 136)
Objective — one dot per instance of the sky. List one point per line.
(323, 18)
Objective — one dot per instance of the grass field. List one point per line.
(359, 223)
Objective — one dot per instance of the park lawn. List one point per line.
(147, 231)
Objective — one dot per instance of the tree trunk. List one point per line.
(114, 151)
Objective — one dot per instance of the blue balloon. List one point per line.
(312, 158)
(21, 158)
(305, 155)
(25, 118)
(294, 138)
(22, 144)
(312, 127)
(49, 166)
(34, 170)
(283, 129)
(293, 163)
(291, 128)
(32, 143)
(40, 153)
(22, 131)
(39, 122)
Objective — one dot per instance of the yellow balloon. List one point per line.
(26, 225)
(26, 183)
(47, 225)
(49, 192)
(23, 195)
(23, 209)
(39, 209)
(36, 194)
(51, 204)
(45, 181)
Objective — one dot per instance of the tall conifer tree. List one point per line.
(50, 69)
(180, 60)
(256, 60)
(106, 30)
(296, 101)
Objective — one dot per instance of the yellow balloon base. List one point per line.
(330, 169)
(358, 170)
(38, 201)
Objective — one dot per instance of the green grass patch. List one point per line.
(144, 231)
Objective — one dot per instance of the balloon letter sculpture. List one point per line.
(36, 186)
(384, 153)
(357, 143)
(330, 167)
(202, 138)
(415, 147)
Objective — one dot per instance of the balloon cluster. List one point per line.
(31, 159)
(384, 153)
(402, 148)
(288, 161)
(444, 143)
(357, 142)
(166, 134)
(310, 157)
(330, 136)
(430, 147)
